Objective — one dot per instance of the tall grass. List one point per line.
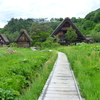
(36, 87)
(85, 61)
(19, 67)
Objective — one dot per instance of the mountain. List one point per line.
(97, 10)
(94, 16)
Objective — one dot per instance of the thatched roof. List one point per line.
(80, 35)
(26, 34)
(4, 38)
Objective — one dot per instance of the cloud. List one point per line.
(2, 24)
(45, 8)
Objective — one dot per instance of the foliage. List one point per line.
(71, 35)
(54, 22)
(88, 25)
(35, 26)
(39, 31)
(16, 25)
(41, 36)
(96, 33)
(97, 17)
(96, 36)
(40, 27)
(13, 27)
(7, 95)
(36, 87)
(51, 42)
(85, 26)
(94, 16)
(85, 62)
(20, 69)
(74, 20)
(11, 37)
(90, 16)
(97, 28)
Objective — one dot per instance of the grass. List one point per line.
(27, 70)
(85, 61)
(36, 87)
(19, 67)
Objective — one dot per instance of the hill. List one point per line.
(90, 24)
(94, 16)
(41, 28)
(38, 28)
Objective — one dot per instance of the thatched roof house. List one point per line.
(62, 29)
(23, 39)
(4, 40)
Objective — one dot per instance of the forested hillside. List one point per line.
(90, 25)
(41, 28)
(38, 29)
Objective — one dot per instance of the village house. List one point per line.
(3, 40)
(62, 28)
(23, 39)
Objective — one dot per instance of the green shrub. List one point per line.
(13, 45)
(7, 95)
(20, 68)
(85, 62)
(50, 43)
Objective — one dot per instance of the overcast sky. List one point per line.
(45, 9)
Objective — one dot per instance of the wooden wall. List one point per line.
(62, 30)
(60, 33)
(23, 44)
(23, 38)
(65, 28)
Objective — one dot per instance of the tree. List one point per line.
(53, 25)
(39, 32)
(71, 35)
(90, 16)
(96, 33)
(88, 25)
(97, 28)
(35, 28)
(97, 17)
(96, 36)
(44, 27)
(50, 43)
(59, 19)
(54, 22)
(12, 36)
(73, 19)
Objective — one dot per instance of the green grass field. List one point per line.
(22, 69)
(19, 68)
(85, 62)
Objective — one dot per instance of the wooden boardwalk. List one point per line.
(61, 84)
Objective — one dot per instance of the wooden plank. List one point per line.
(61, 84)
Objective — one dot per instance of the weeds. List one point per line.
(36, 87)
(18, 69)
(85, 61)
